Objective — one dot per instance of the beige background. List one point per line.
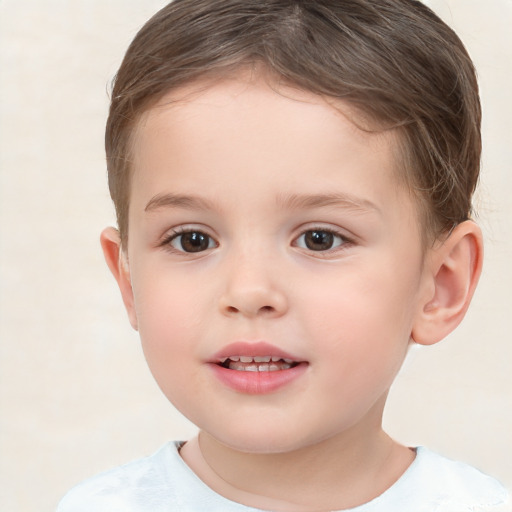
(75, 396)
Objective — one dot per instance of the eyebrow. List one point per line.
(178, 201)
(338, 200)
(291, 202)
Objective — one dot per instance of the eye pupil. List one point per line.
(319, 240)
(194, 241)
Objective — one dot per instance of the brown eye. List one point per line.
(319, 240)
(192, 241)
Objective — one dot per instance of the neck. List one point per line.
(341, 472)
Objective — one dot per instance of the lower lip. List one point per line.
(257, 383)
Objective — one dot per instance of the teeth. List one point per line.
(256, 359)
(261, 367)
(257, 363)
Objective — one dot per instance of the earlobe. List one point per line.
(118, 264)
(453, 270)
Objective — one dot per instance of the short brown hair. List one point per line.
(394, 60)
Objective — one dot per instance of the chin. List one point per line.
(260, 446)
(264, 440)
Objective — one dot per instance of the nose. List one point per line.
(253, 289)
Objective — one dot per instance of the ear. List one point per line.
(117, 262)
(452, 269)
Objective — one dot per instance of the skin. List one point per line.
(261, 170)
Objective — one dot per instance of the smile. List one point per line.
(257, 363)
(256, 368)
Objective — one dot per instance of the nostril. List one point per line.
(252, 302)
(262, 309)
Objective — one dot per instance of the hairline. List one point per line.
(363, 120)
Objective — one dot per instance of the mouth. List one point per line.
(257, 363)
(257, 368)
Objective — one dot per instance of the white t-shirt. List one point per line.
(164, 483)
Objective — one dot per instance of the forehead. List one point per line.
(257, 86)
(254, 130)
(245, 101)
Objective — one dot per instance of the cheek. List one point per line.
(169, 319)
(164, 300)
(169, 343)
(361, 322)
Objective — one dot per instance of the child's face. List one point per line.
(258, 217)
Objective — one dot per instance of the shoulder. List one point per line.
(161, 482)
(139, 486)
(458, 485)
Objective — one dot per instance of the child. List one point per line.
(293, 182)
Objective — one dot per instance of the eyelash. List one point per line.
(344, 241)
(180, 232)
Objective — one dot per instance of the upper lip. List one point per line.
(249, 349)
